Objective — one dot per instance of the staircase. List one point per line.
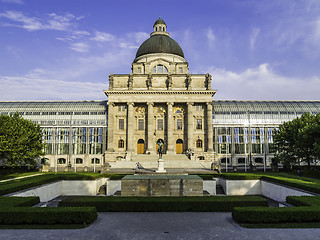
(219, 191)
(149, 161)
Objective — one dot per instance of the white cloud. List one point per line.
(253, 37)
(33, 88)
(211, 37)
(79, 47)
(102, 37)
(12, 1)
(261, 83)
(52, 22)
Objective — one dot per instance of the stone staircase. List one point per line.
(149, 161)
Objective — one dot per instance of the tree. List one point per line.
(20, 141)
(298, 140)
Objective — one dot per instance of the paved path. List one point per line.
(154, 226)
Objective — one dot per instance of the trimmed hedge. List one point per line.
(296, 183)
(18, 210)
(303, 200)
(28, 215)
(276, 215)
(164, 204)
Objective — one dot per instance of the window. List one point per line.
(139, 69)
(199, 124)
(79, 161)
(198, 107)
(121, 144)
(179, 124)
(241, 160)
(159, 69)
(160, 124)
(199, 143)
(140, 124)
(258, 160)
(62, 161)
(95, 160)
(121, 108)
(180, 70)
(121, 124)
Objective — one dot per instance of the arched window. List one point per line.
(160, 28)
(159, 69)
(79, 160)
(121, 144)
(199, 143)
(97, 160)
(62, 161)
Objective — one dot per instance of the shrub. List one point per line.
(276, 215)
(28, 215)
(304, 200)
(164, 204)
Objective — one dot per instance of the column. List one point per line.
(110, 126)
(130, 122)
(170, 147)
(210, 127)
(151, 143)
(190, 126)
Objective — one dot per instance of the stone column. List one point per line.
(210, 127)
(130, 122)
(170, 146)
(110, 126)
(151, 143)
(190, 126)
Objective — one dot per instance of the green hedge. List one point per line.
(25, 183)
(304, 200)
(28, 215)
(311, 186)
(18, 210)
(164, 204)
(276, 215)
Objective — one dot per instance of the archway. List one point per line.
(140, 146)
(179, 146)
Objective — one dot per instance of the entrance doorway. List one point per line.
(179, 146)
(140, 146)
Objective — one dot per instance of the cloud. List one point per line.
(262, 83)
(33, 88)
(253, 37)
(51, 22)
(211, 37)
(102, 37)
(12, 1)
(79, 47)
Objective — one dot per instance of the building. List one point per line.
(159, 101)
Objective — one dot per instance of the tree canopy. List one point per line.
(299, 140)
(20, 141)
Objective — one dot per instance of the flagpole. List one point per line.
(226, 150)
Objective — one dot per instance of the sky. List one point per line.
(66, 49)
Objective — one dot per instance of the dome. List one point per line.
(159, 42)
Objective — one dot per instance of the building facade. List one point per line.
(159, 101)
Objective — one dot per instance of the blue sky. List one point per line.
(65, 49)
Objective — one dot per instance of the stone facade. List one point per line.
(159, 100)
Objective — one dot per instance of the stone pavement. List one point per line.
(195, 226)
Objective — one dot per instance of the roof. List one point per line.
(160, 44)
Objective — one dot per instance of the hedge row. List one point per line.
(304, 200)
(164, 204)
(25, 183)
(28, 215)
(276, 215)
(18, 210)
(296, 183)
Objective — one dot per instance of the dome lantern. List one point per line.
(160, 27)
